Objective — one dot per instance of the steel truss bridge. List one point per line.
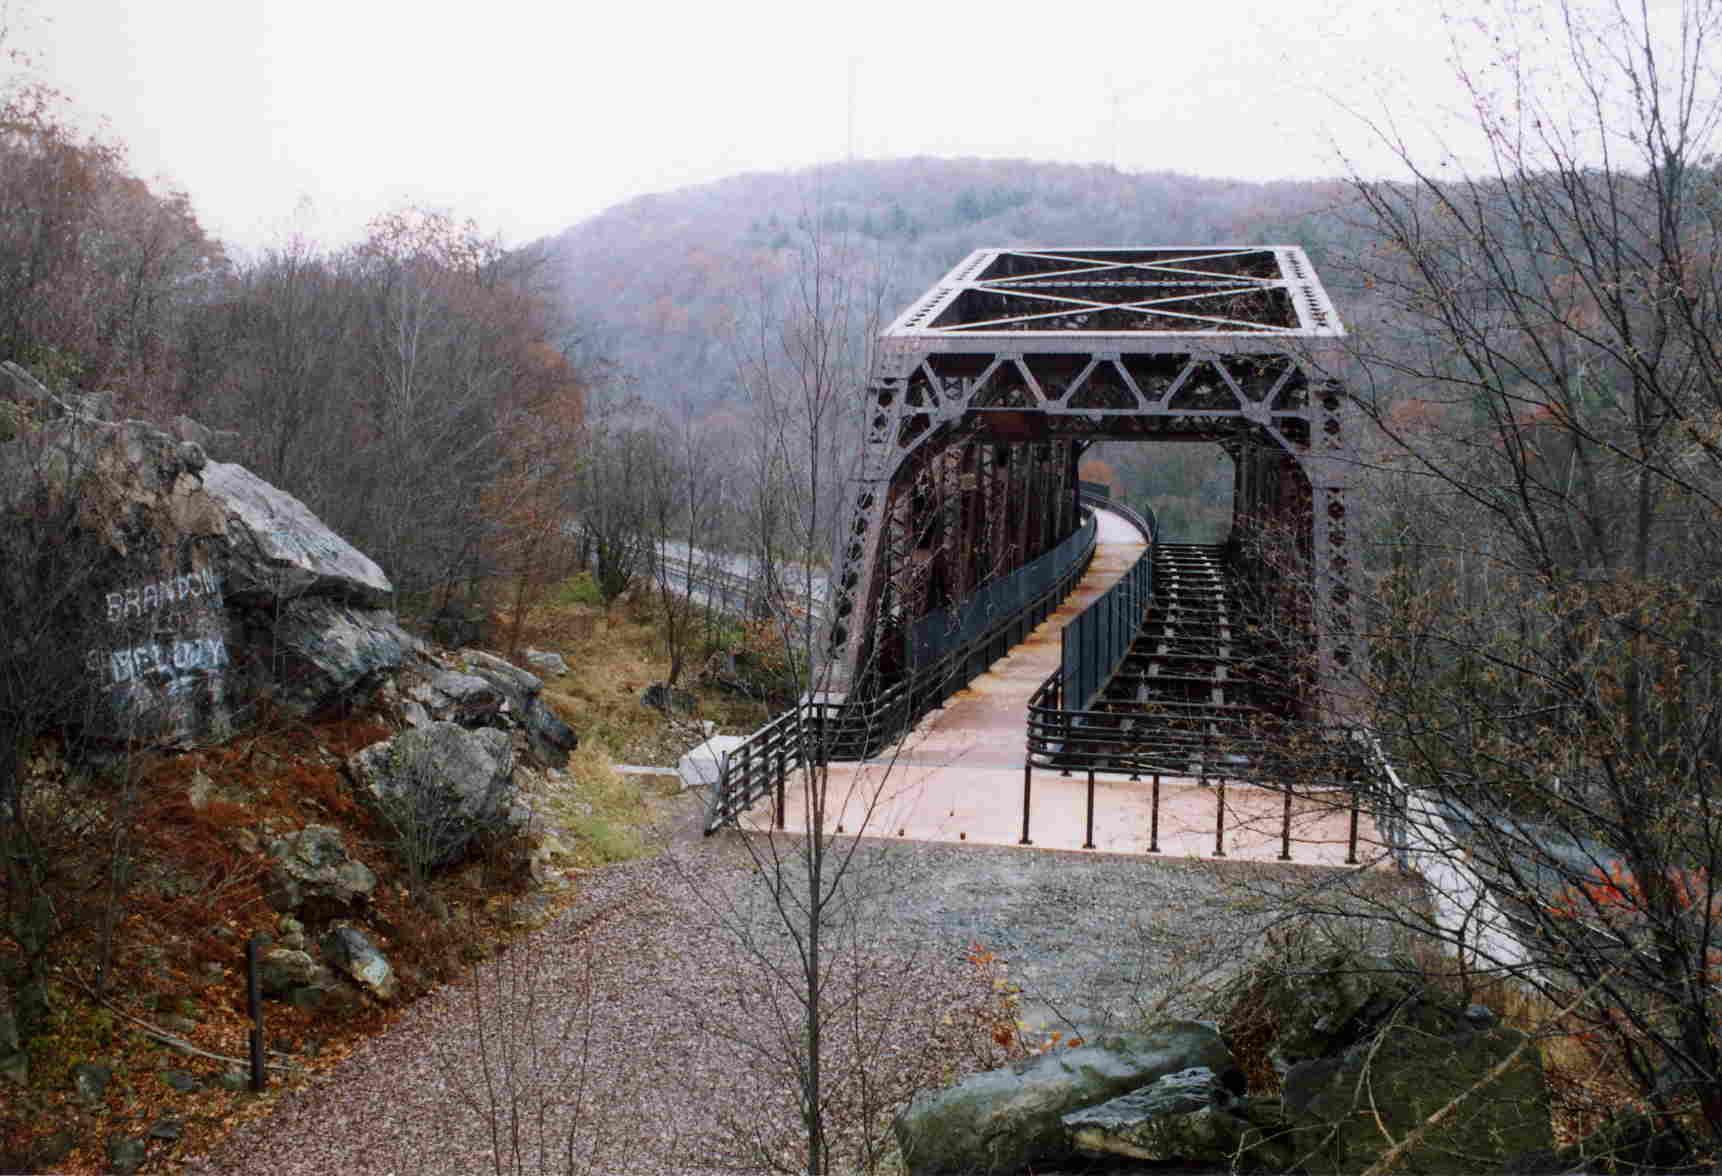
(987, 390)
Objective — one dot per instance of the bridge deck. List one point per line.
(958, 776)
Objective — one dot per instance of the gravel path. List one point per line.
(681, 1054)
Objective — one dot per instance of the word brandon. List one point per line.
(135, 602)
(164, 659)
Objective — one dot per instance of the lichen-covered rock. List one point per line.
(126, 1154)
(311, 871)
(280, 970)
(546, 661)
(1326, 1007)
(1009, 1119)
(351, 951)
(1171, 1119)
(1191, 1119)
(438, 787)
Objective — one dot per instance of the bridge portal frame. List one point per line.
(1058, 348)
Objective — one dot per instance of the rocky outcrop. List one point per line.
(482, 690)
(439, 787)
(1007, 1120)
(186, 590)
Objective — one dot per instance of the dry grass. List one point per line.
(612, 656)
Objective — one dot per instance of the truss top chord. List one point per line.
(1222, 297)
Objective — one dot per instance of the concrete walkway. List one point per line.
(959, 775)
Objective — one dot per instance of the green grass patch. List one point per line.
(602, 809)
(580, 588)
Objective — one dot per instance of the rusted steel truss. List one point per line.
(987, 389)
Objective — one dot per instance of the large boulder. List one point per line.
(310, 871)
(277, 550)
(1009, 1119)
(185, 591)
(438, 788)
(1349, 1109)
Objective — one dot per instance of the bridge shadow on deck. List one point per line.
(959, 775)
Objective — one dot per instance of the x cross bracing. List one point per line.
(1225, 295)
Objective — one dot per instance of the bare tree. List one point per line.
(1542, 361)
(807, 920)
(621, 464)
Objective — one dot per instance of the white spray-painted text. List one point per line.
(144, 599)
(163, 659)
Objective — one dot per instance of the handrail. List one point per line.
(1093, 645)
(1174, 739)
(1003, 598)
(815, 731)
(1144, 520)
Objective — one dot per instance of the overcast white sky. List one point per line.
(530, 116)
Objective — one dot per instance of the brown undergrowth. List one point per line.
(159, 870)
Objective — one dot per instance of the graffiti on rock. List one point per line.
(140, 600)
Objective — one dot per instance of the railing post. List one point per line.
(1351, 846)
(1219, 817)
(254, 1006)
(1027, 772)
(1068, 722)
(782, 786)
(1088, 840)
(1154, 818)
(1285, 827)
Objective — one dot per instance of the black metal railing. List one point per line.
(1143, 520)
(1215, 746)
(816, 731)
(1094, 644)
(945, 629)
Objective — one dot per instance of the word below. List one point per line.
(160, 659)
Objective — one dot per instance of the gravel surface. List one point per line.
(652, 1005)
